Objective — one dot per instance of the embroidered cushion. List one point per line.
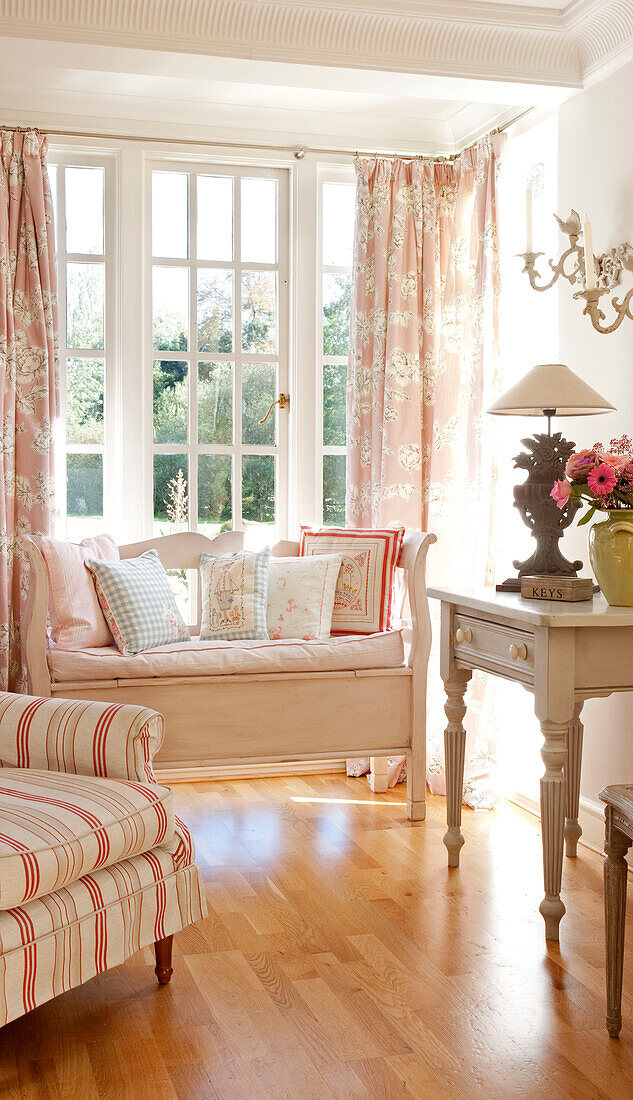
(77, 621)
(363, 603)
(234, 595)
(301, 596)
(138, 603)
(57, 828)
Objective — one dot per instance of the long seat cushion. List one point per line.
(57, 827)
(222, 658)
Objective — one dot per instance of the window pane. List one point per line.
(338, 223)
(258, 496)
(85, 300)
(334, 490)
(180, 582)
(84, 495)
(215, 508)
(171, 401)
(215, 311)
(215, 217)
(84, 210)
(171, 494)
(258, 393)
(52, 179)
(337, 293)
(84, 400)
(334, 400)
(259, 311)
(215, 403)
(259, 221)
(170, 214)
(170, 290)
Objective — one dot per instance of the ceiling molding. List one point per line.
(485, 41)
(456, 38)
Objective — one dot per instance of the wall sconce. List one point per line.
(591, 276)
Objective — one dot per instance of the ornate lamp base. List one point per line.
(544, 459)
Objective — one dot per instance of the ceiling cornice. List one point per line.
(484, 40)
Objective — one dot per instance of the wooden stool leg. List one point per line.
(378, 774)
(615, 876)
(573, 831)
(163, 968)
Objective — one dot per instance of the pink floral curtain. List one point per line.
(28, 377)
(422, 370)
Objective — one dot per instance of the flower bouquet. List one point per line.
(603, 479)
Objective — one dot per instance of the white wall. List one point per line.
(595, 176)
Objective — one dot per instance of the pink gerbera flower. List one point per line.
(601, 480)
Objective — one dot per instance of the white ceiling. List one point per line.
(425, 76)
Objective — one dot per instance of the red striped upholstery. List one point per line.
(86, 738)
(58, 941)
(56, 828)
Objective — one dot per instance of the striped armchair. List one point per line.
(94, 864)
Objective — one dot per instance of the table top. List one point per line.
(511, 605)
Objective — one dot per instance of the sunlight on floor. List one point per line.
(348, 801)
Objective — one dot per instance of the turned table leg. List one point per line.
(553, 796)
(615, 882)
(163, 969)
(573, 831)
(454, 751)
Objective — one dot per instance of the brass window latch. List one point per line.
(283, 401)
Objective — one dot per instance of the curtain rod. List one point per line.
(299, 152)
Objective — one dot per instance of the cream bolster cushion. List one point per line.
(364, 598)
(234, 595)
(77, 621)
(138, 603)
(56, 828)
(301, 596)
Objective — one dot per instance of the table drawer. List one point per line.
(495, 646)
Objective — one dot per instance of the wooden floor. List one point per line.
(342, 959)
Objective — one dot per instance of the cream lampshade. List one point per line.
(546, 390)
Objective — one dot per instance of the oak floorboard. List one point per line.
(342, 959)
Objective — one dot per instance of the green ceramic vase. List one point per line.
(611, 555)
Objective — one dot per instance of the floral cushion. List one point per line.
(77, 621)
(301, 596)
(138, 603)
(234, 595)
(363, 603)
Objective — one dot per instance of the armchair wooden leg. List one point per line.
(615, 876)
(163, 968)
(378, 774)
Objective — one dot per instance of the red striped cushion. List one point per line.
(56, 828)
(363, 602)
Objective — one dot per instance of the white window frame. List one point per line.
(61, 158)
(326, 174)
(192, 449)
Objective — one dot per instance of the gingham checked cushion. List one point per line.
(56, 828)
(138, 603)
(234, 595)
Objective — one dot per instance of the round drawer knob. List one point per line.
(518, 652)
(463, 634)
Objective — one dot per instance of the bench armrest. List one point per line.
(75, 735)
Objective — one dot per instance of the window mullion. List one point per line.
(237, 329)
(193, 348)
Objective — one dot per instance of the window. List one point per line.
(79, 190)
(337, 239)
(219, 356)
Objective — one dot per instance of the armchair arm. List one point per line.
(75, 735)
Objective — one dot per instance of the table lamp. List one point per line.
(548, 390)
